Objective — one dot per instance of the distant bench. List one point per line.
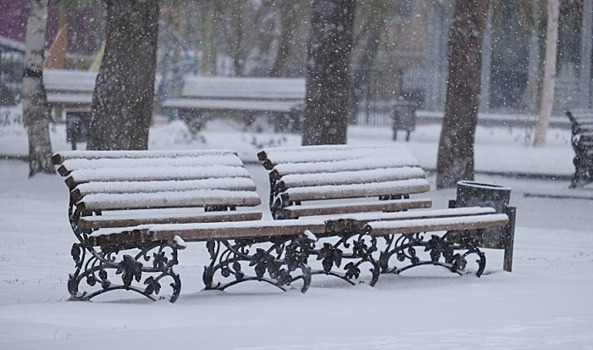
(582, 142)
(202, 98)
(370, 190)
(70, 92)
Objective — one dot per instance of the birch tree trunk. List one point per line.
(327, 105)
(455, 159)
(547, 102)
(124, 93)
(34, 100)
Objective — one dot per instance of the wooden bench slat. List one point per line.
(60, 157)
(314, 154)
(70, 165)
(424, 213)
(230, 184)
(350, 177)
(236, 230)
(128, 220)
(390, 188)
(473, 222)
(102, 201)
(369, 163)
(155, 174)
(295, 211)
(232, 105)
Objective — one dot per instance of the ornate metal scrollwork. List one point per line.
(108, 268)
(353, 245)
(276, 263)
(413, 250)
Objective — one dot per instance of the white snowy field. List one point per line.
(545, 303)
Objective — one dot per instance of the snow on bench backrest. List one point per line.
(121, 180)
(244, 88)
(312, 173)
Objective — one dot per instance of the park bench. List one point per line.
(582, 142)
(370, 190)
(70, 92)
(202, 98)
(132, 211)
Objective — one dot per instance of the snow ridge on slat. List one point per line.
(156, 173)
(352, 177)
(227, 183)
(110, 201)
(358, 190)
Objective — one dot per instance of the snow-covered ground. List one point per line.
(545, 303)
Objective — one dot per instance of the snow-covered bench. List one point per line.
(369, 190)
(70, 92)
(582, 143)
(132, 211)
(201, 98)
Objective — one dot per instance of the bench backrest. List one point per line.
(69, 87)
(128, 188)
(244, 88)
(323, 180)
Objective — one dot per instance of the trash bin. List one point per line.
(470, 193)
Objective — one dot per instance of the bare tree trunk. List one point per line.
(34, 100)
(239, 53)
(289, 17)
(124, 94)
(541, 127)
(586, 51)
(207, 63)
(327, 99)
(456, 145)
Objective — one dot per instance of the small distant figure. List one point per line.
(404, 117)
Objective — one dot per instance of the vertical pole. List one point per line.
(586, 43)
(509, 239)
(547, 103)
(433, 55)
(486, 63)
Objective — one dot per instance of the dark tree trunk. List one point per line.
(456, 146)
(124, 94)
(34, 100)
(327, 106)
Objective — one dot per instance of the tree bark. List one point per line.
(547, 102)
(455, 160)
(34, 100)
(124, 93)
(327, 105)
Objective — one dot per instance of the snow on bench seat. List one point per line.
(470, 222)
(419, 214)
(263, 229)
